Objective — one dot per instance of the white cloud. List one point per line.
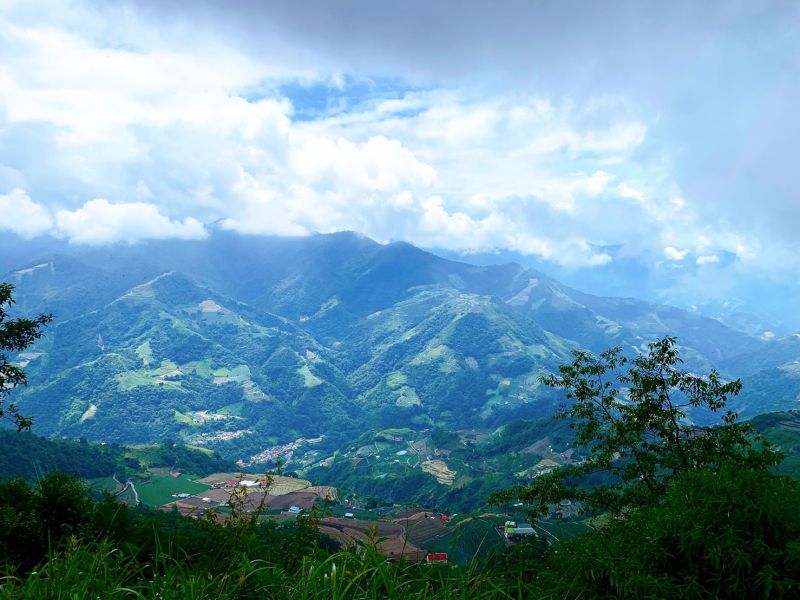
(627, 191)
(101, 104)
(378, 165)
(18, 213)
(707, 259)
(675, 254)
(100, 222)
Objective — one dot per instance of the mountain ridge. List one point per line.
(341, 332)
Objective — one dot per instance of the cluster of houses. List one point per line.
(275, 452)
(514, 532)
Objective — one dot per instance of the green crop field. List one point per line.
(559, 530)
(102, 484)
(158, 489)
(132, 379)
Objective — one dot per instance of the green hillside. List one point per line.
(449, 470)
(31, 457)
(783, 431)
(328, 335)
(170, 358)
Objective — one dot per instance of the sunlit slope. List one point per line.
(253, 341)
(450, 359)
(170, 357)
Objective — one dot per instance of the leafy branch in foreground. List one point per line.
(15, 336)
(630, 417)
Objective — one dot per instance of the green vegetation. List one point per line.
(683, 512)
(729, 533)
(30, 457)
(689, 512)
(159, 490)
(640, 439)
(438, 369)
(157, 376)
(473, 541)
(309, 379)
(305, 345)
(145, 352)
(15, 336)
(387, 464)
(162, 361)
(782, 430)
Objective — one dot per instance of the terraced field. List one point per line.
(439, 469)
(421, 531)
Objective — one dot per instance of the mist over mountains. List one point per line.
(242, 342)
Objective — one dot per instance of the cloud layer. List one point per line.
(582, 140)
(97, 222)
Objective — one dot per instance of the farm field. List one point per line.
(559, 530)
(393, 544)
(158, 489)
(280, 485)
(339, 512)
(103, 484)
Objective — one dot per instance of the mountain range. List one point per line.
(248, 343)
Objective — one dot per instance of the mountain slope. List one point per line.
(170, 357)
(245, 343)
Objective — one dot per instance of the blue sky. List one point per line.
(595, 137)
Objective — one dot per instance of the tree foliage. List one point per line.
(630, 418)
(15, 336)
(728, 533)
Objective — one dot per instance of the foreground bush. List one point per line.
(55, 542)
(102, 571)
(725, 534)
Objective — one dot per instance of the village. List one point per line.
(414, 534)
(281, 451)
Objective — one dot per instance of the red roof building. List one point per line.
(437, 557)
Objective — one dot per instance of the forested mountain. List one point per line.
(243, 343)
(31, 457)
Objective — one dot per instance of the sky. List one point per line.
(634, 140)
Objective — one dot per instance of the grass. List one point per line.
(237, 374)
(132, 379)
(408, 397)
(145, 353)
(203, 368)
(395, 431)
(206, 451)
(148, 455)
(239, 371)
(101, 571)
(440, 353)
(182, 418)
(101, 484)
(560, 530)
(158, 489)
(309, 379)
(396, 380)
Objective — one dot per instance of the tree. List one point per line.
(15, 336)
(728, 533)
(630, 419)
